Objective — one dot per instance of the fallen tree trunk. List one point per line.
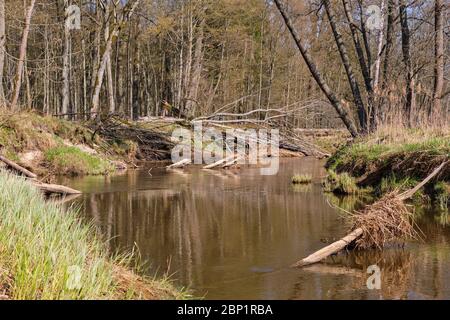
(388, 204)
(230, 163)
(18, 168)
(54, 188)
(333, 248)
(179, 164)
(218, 163)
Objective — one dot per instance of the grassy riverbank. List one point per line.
(49, 145)
(44, 248)
(395, 158)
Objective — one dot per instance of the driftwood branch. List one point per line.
(179, 164)
(55, 188)
(218, 163)
(16, 167)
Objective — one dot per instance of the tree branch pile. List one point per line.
(384, 221)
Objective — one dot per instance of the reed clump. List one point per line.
(301, 179)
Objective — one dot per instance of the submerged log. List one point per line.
(55, 188)
(232, 162)
(218, 163)
(179, 164)
(341, 244)
(333, 248)
(18, 168)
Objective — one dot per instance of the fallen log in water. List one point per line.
(230, 163)
(218, 163)
(383, 221)
(46, 188)
(18, 168)
(54, 188)
(179, 164)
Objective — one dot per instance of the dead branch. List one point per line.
(16, 167)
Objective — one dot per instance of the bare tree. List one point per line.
(438, 57)
(65, 93)
(2, 48)
(22, 55)
(343, 114)
(379, 50)
(363, 63)
(113, 33)
(362, 115)
(406, 50)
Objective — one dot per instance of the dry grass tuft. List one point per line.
(386, 220)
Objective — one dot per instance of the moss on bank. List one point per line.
(46, 252)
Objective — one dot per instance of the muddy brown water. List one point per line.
(233, 234)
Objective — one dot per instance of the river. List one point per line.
(232, 234)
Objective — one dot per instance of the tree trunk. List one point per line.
(197, 71)
(364, 65)
(113, 33)
(379, 49)
(439, 59)
(22, 55)
(407, 61)
(343, 114)
(389, 40)
(65, 73)
(2, 49)
(348, 68)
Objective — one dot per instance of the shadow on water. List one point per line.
(233, 234)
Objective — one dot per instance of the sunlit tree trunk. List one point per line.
(66, 56)
(2, 49)
(22, 55)
(407, 61)
(438, 57)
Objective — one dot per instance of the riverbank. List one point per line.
(46, 252)
(52, 146)
(393, 159)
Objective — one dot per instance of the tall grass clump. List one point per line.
(301, 179)
(48, 253)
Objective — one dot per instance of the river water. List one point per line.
(233, 234)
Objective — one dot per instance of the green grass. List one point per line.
(301, 179)
(341, 183)
(381, 147)
(390, 159)
(442, 195)
(22, 132)
(73, 161)
(44, 247)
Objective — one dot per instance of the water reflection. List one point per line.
(233, 234)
